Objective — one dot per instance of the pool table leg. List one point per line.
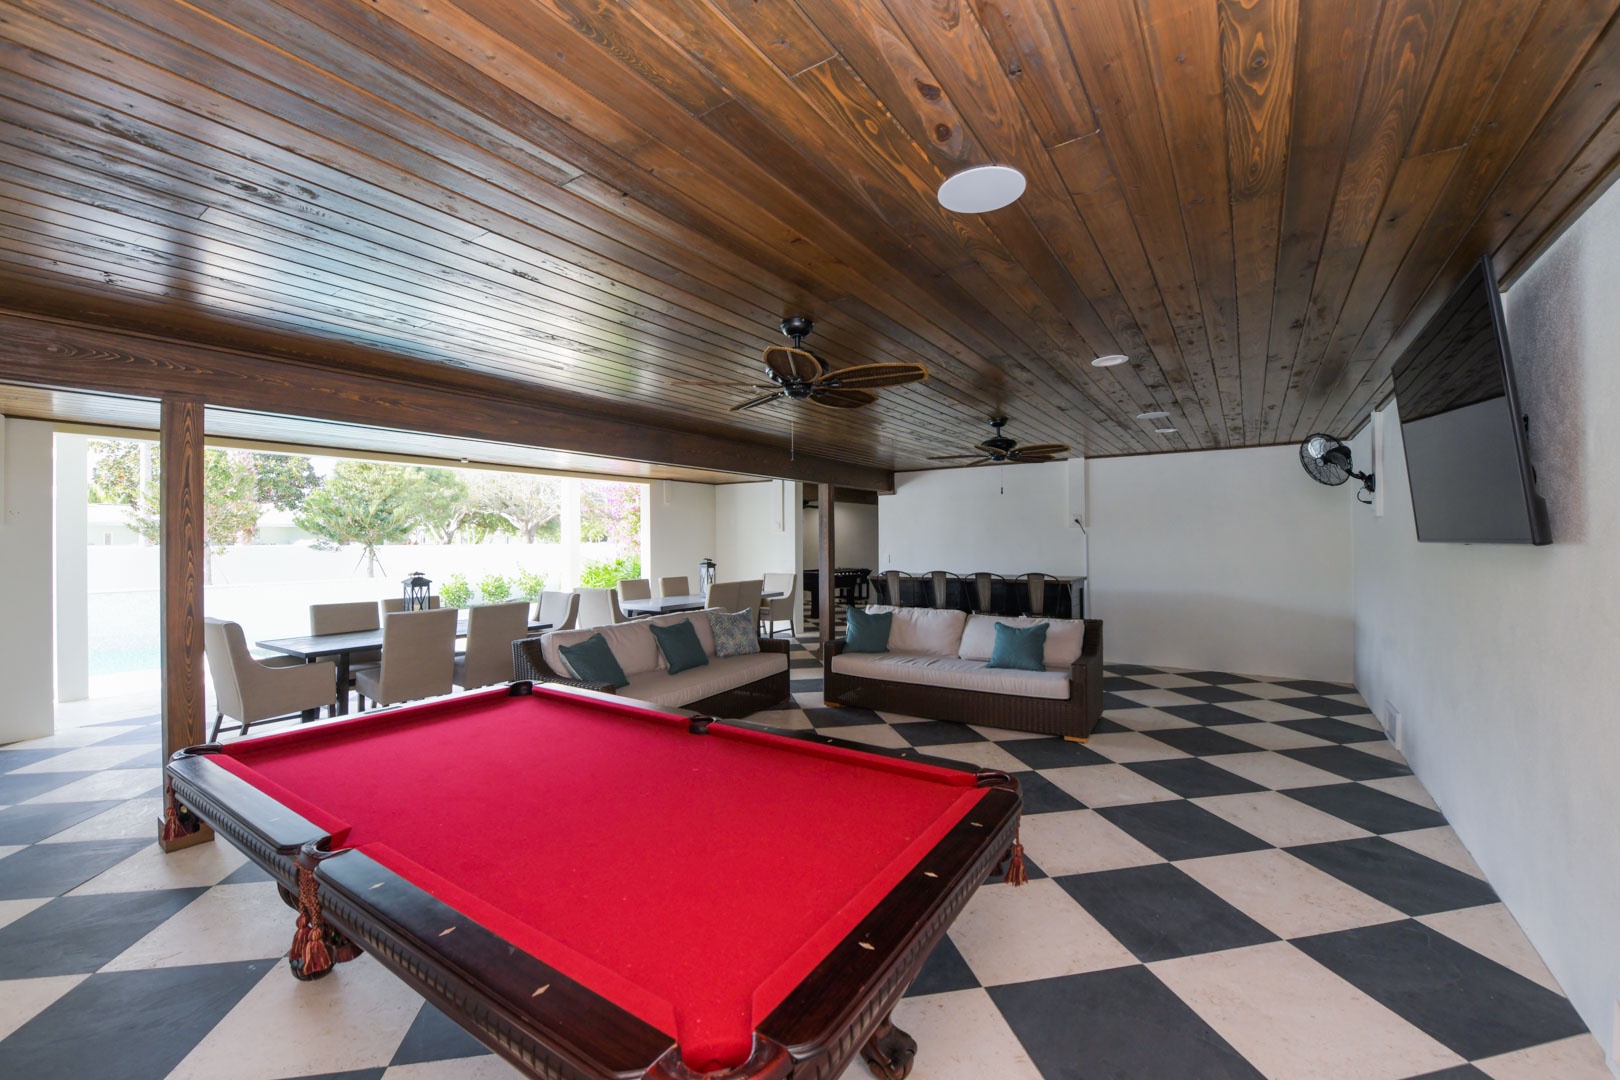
(317, 946)
(890, 1051)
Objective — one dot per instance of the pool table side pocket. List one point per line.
(260, 827)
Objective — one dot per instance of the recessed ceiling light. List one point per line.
(1111, 361)
(1159, 415)
(1165, 430)
(981, 189)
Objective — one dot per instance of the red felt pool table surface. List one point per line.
(692, 879)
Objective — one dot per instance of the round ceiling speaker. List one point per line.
(981, 189)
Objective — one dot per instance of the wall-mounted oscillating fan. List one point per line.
(1327, 460)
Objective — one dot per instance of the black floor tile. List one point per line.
(149, 734)
(1401, 878)
(1113, 701)
(826, 717)
(53, 869)
(1368, 808)
(1215, 678)
(1181, 830)
(1159, 913)
(1326, 706)
(1130, 669)
(943, 971)
(353, 1074)
(1201, 742)
(1348, 762)
(17, 759)
(1105, 725)
(1211, 694)
(1456, 1072)
(1208, 715)
(36, 821)
(797, 664)
(1116, 683)
(73, 935)
(433, 1036)
(806, 686)
(1192, 778)
(19, 787)
(136, 1025)
(1473, 1005)
(1313, 686)
(937, 733)
(245, 874)
(1339, 731)
(1032, 871)
(1120, 1024)
(1041, 796)
(1052, 753)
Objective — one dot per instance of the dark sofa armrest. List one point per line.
(776, 645)
(528, 664)
(1086, 674)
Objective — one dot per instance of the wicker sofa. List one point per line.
(936, 668)
(728, 686)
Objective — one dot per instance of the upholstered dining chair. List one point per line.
(348, 619)
(391, 604)
(598, 607)
(736, 595)
(250, 691)
(780, 608)
(491, 629)
(674, 586)
(560, 609)
(418, 658)
(635, 589)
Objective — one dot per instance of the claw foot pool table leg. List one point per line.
(889, 1052)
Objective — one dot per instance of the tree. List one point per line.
(442, 504)
(284, 481)
(529, 503)
(363, 502)
(611, 512)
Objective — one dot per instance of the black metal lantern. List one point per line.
(705, 576)
(418, 589)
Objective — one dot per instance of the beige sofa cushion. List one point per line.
(953, 672)
(674, 691)
(632, 643)
(923, 631)
(1064, 637)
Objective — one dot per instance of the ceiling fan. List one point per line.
(1327, 460)
(999, 449)
(797, 374)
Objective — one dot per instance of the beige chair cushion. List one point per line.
(693, 684)
(632, 643)
(674, 586)
(923, 631)
(955, 673)
(1064, 637)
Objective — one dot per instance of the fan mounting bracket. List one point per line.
(797, 327)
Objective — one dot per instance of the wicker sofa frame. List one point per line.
(1073, 717)
(529, 663)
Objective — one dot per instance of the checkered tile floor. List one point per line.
(1236, 877)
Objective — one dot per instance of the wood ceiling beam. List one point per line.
(410, 396)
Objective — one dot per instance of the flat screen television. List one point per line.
(1466, 452)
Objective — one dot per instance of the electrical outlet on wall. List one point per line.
(1392, 725)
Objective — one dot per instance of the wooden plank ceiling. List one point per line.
(1255, 200)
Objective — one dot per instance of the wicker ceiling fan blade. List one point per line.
(839, 398)
(754, 403)
(1036, 459)
(793, 365)
(988, 449)
(875, 376)
(1045, 449)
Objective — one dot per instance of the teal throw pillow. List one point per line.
(680, 645)
(867, 631)
(735, 634)
(1019, 648)
(592, 661)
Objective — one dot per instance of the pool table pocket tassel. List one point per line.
(1016, 874)
(315, 946)
(176, 822)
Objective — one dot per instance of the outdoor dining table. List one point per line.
(340, 647)
(664, 605)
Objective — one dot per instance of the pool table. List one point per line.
(599, 888)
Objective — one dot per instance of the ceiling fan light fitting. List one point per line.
(1165, 430)
(981, 189)
(1113, 360)
(1159, 415)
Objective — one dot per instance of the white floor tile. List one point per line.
(1266, 690)
(23, 999)
(226, 923)
(1579, 1058)
(786, 719)
(1289, 897)
(86, 759)
(1296, 1020)
(1108, 785)
(352, 1019)
(1168, 681)
(960, 1036)
(1272, 737)
(12, 910)
(1269, 711)
(134, 820)
(1275, 771)
(1080, 842)
(1349, 698)
(1380, 748)
(149, 868)
(1366, 720)
(1409, 788)
(1492, 931)
(986, 755)
(869, 735)
(1440, 844)
(1279, 820)
(472, 1068)
(1006, 734)
(69, 737)
(1146, 719)
(809, 699)
(1131, 746)
(108, 784)
(1034, 931)
(1157, 699)
(11, 849)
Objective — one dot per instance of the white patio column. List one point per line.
(570, 532)
(72, 569)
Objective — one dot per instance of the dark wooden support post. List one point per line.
(180, 542)
(825, 584)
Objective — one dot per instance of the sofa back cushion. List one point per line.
(1064, 637)
(1020, 648)
(593, 661)
(924, 631)
(868, 631)
(680, 645)
(632, 642)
